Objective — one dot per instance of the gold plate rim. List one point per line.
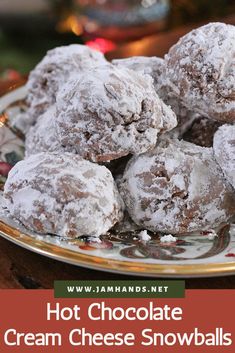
(116, 266)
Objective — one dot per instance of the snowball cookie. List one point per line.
(224, 150)
(110, 112)
(63, 194)
(155, 67)
(152, 66)
(200, 69)
(201, 132)
(54, 70)
(42, 137)
(177, 188)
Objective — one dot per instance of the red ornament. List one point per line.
(230, 254)
(101, 44)
(5, 168)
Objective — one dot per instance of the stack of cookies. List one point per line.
(149, 136)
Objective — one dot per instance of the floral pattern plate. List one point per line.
(121, 250)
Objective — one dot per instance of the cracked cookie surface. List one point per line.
(110, 113)
(224, 150)
(53, 71)
(63, 195)
(177, 188)
(200, 69)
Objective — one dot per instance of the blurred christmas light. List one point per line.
(11, 74)
(101, 44)
(148, 3)
(90, 26)
(70, 24)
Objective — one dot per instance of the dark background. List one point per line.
(27, 33)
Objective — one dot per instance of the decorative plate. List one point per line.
(121, 250)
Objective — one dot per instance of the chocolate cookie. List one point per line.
(109, 113)
(177, 188)
(224, 150)
(63, 194)
(200, 69)
(54, 70)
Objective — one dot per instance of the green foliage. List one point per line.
(12, 158)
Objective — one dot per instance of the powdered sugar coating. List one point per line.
(168, 116)
(155, 67)
(224, 150)
(144, 236)
(54, 70)
(168, 239)
(110, 112)
(63, 195)
(42, 137)
(152, 66)
(177, 188)
(200, 69)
